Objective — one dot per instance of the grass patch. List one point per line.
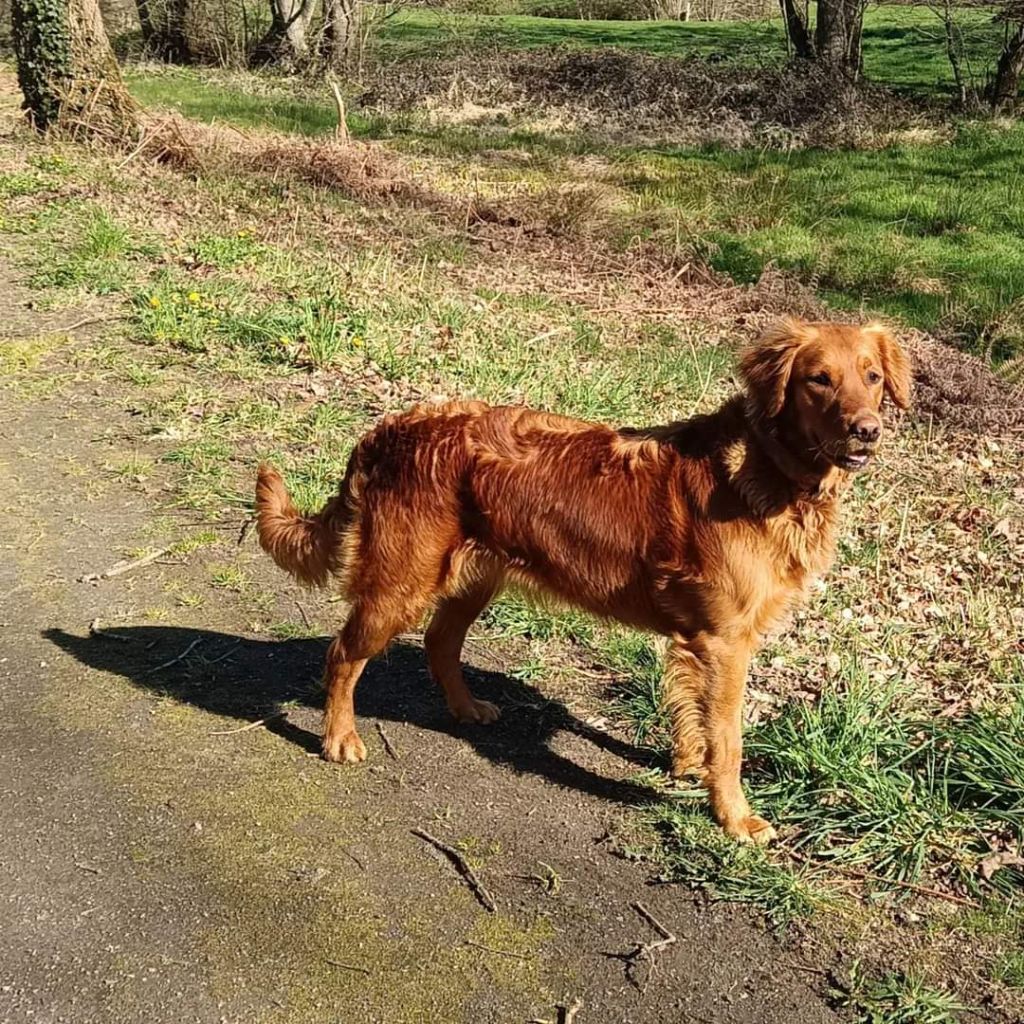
(897, 999)
(902, 45)
(925, 232)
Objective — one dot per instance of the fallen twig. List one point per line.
(96, 630)
(464, 869)
(305, 617)
(85, 322)
(251, 725)
(387, 743)
(247, 525)
(499, 952)
(88, 867)
(122, 567)
(181, 657)
(348, 967)
(644, 951)
(220, 657)
(567, 1014)
(869, 876)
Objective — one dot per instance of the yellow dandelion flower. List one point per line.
(357, 341)
(284, 340)
(154, 301)
(194, 297)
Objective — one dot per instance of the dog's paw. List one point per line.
(751, 829)
(477, 712)
(346, 749)
(691, 766)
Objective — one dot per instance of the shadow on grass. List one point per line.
(249, 679)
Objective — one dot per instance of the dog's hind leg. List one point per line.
(443, 642)
(366, 633)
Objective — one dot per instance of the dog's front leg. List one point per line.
(684, 689)
(704, 687)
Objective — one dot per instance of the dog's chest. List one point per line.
(790, 551)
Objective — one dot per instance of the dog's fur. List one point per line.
(704, 531)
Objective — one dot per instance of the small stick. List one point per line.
(85, 322)
(244, 531)
(122, 567)
(567, 1014)
(667, 937)
(387, 743)
(868, 876)
(341, 130)
(499, 952)
(181, 657)
(645, 951)
(252, 725)
(87, 867)
(348, 967)
(463, 867)
(106, 634)
(231, 650)
(305, 617)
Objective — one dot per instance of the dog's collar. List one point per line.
(805, 480)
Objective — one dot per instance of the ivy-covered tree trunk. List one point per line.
(67, 70)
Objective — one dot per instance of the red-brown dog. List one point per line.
(704, 531)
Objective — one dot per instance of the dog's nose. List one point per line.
(866, 428)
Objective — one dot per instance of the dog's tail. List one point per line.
(308, 547)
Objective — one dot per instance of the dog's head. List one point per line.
(823, 385)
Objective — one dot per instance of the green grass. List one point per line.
(897, 999)
(928, 233)
(903, 46)
(245, 339)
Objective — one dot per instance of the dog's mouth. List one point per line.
(852, 461)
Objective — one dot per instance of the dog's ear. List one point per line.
(895, 364)
(765, 366)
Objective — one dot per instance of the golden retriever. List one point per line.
(705, 531)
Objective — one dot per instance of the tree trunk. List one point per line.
(1005, 87)
(837, 35)
(67, 71)
(954, 52)
(341, 33)
(165, 37)
(287, 37)
(797, 31)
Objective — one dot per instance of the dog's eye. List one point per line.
(821, 378)
(874, 377)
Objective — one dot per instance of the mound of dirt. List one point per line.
(697, 99)
(961, 391)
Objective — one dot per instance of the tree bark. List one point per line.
(288, 36)
(165, 36)
(341, 33)
(797, 31)
(837, 35)
(1005, 86)
(67, 71)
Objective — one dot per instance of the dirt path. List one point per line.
(154, 870)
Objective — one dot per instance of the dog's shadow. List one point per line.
(250, 679)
